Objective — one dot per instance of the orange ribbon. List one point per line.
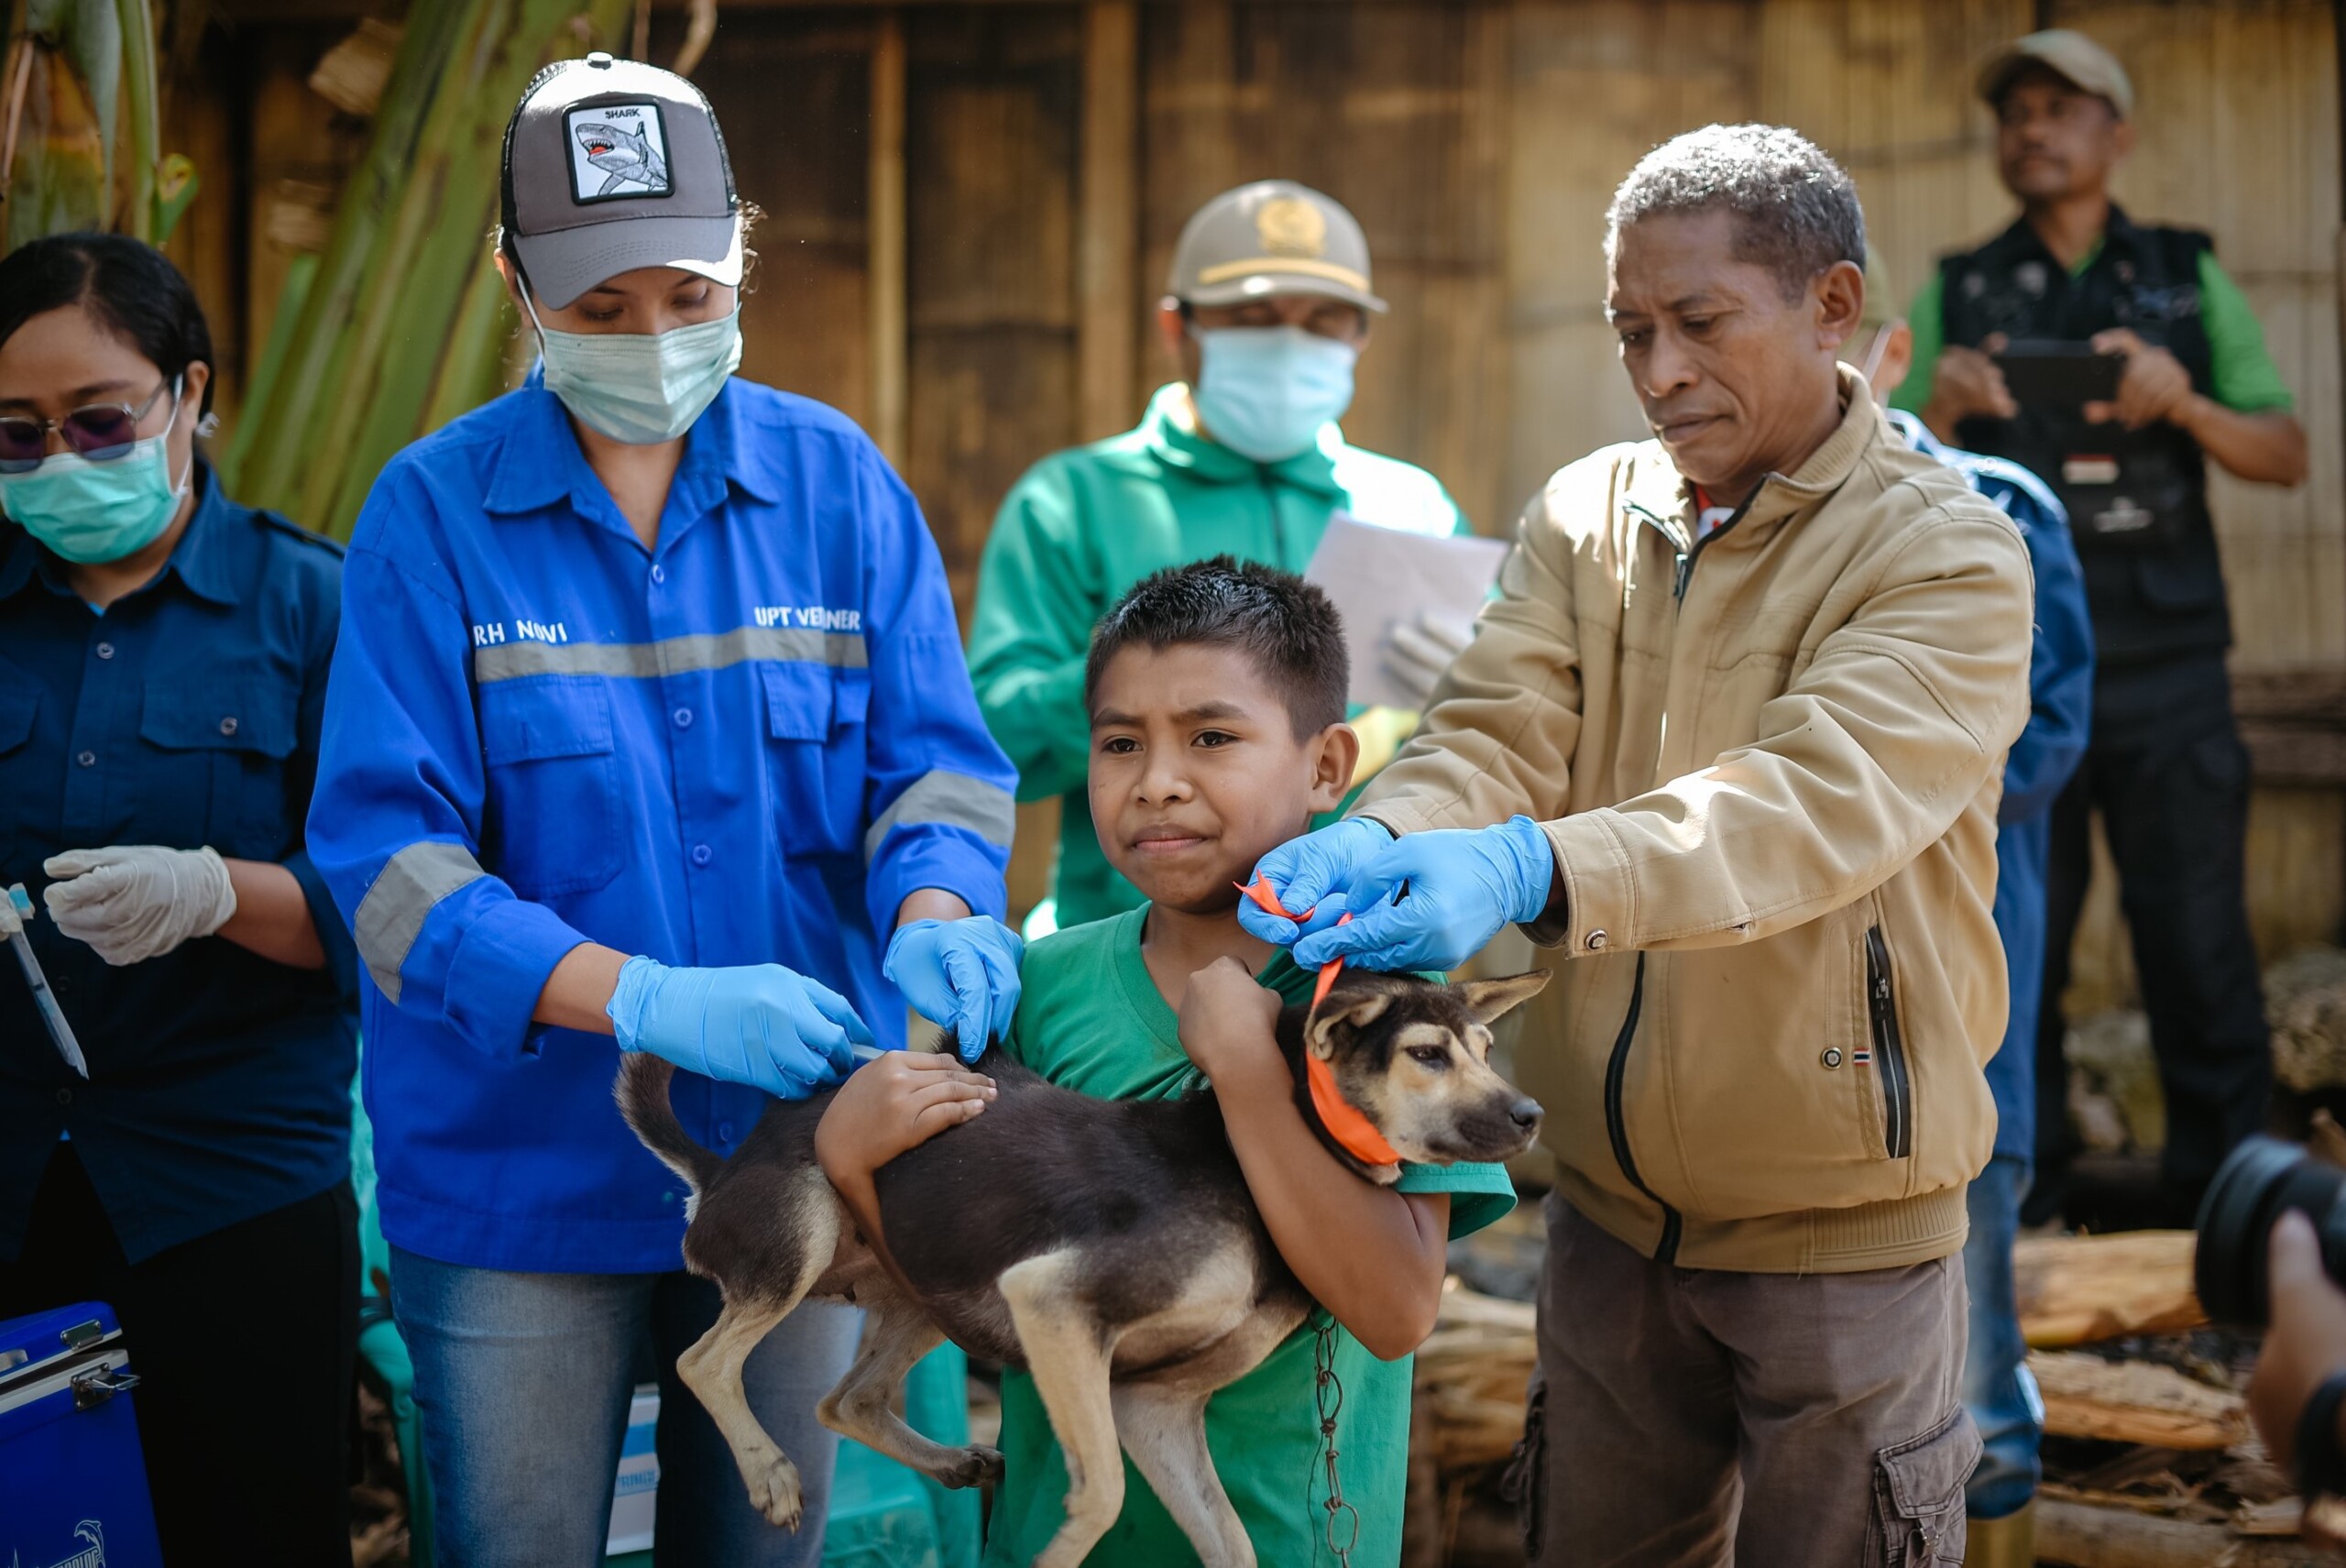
(1353, 1132)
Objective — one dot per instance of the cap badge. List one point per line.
(1289, 225)
(618, 151)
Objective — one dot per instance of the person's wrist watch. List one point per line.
(2321, 1462)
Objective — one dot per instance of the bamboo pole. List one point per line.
(473, 371)
(139, 88)
(884, 224)
(402, 328)
(1106, 308)
(284, 442)
(440, 260)
(300, 274)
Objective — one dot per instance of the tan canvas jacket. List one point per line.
(1770, 765)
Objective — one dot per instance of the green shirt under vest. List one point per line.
(2246, 381)
(1091, 1019)
(1083, 525)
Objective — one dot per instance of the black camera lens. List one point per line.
(2263, 1179)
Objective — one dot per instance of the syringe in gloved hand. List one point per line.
(12, 922)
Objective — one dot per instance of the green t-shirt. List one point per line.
(1091, 1019)
(2244, 378)
(1083, 525)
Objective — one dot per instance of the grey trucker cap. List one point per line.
(611, 165)
(1273, 236)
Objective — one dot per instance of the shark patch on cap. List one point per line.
(612, 165)
(617, 150)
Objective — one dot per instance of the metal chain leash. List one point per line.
(1328, 1394)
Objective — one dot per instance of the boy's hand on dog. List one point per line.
(898, 1102)
(1230, 1023)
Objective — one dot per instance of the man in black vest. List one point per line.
(2166, 768)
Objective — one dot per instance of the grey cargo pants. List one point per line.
(1688, 1417)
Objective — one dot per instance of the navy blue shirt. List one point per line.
(2037, 768)
(748, 744)
(186, 715)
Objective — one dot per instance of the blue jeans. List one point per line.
(1997, 1388)
(523, 1382)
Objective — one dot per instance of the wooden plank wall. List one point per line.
(1050, 153)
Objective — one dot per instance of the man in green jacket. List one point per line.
(1268, 308)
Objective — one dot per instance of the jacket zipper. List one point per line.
(1616, 1124)
(1683, 564)
(1278, 519)
(1888, 1049)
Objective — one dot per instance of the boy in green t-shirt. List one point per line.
(1216, 696)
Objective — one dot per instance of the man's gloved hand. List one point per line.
(1420, 651)
(961, 975)
(760, 1025)
(1430, 901)
(133, 902)
(1307, 871)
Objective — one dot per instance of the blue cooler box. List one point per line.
(72, 1485)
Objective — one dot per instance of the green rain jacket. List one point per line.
(1083, 525)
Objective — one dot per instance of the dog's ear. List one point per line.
(1353, 1011)
(1489, 1000)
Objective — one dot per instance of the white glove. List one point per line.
(133, 902)
(1420, 651)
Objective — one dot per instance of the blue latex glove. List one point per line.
(1432, 900)
(1318, 869)
(961, 975)
(760, 1025)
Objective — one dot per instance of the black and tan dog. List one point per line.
(1110, 1247)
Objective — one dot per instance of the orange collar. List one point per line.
(1353, 1132)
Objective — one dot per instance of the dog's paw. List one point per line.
(774, 1492)
(974, 1466)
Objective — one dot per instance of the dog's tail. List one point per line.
(642, 1094)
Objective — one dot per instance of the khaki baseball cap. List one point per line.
(2066, 53)
(1273, 236)
(611, 165)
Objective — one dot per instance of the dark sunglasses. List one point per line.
(98, 432)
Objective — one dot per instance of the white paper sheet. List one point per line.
(1381, 578)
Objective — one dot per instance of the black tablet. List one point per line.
(2043, 373)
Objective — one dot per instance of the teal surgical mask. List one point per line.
(1266, 391)
(640, 387)
(89, 512)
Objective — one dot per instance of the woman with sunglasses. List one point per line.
(650, 733)
(163, 655)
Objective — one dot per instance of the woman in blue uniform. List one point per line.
(650, 721)
(163, 656)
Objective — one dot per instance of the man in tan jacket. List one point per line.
(1739, 714)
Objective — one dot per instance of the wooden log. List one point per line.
(2077, 1290)
(2081, 1536)
(2135, 1401)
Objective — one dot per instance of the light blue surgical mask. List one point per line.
(1266, 391)
(640, 387)
(89, 512)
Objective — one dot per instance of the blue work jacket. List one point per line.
(2060, 693)
(748, 744)
(187, 714)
